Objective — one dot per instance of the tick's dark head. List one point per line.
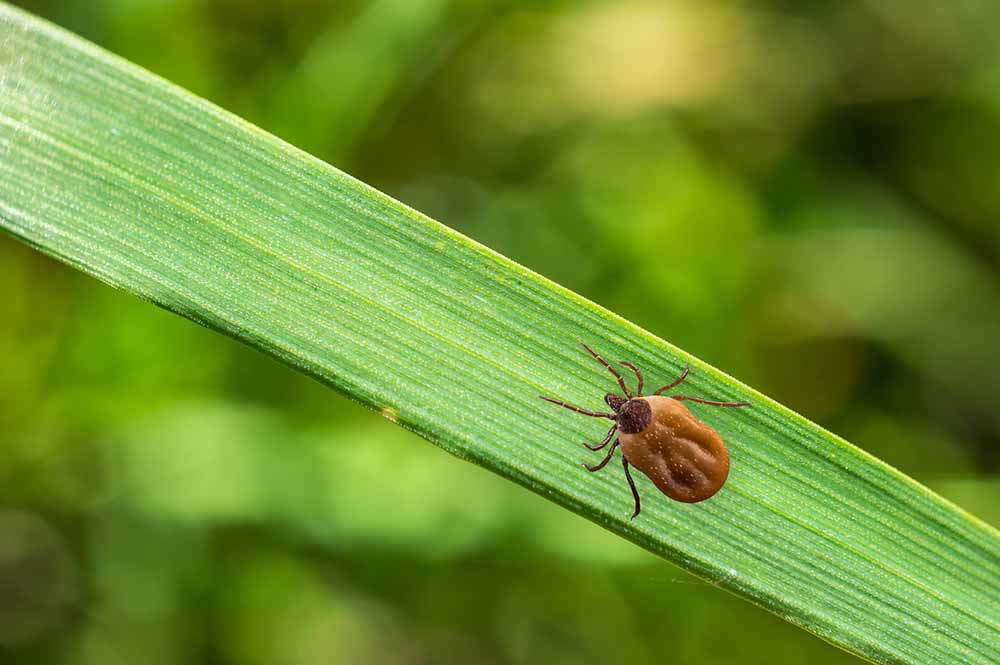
(634, 416)
(614, 401)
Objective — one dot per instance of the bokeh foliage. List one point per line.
(828, 166)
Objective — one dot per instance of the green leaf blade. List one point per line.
(154, 191)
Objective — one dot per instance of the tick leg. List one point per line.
(631, 483)
(611, 433)
(676, 383)
(681, 398)
(576, 408)
(604, 462)
(621, 381)
(638, 391)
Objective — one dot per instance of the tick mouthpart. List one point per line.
(634, 416)
(614, 401)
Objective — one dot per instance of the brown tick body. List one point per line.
(685, 458)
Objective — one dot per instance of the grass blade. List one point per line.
(157, 192)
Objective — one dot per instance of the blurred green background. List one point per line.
(804, 194)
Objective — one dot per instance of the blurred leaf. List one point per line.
(159, 193)
(981, 493)
(348, 73)
(690, 230)
(870, 261)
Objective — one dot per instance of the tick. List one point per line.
(685, 458)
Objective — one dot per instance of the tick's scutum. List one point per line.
(634, 416)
